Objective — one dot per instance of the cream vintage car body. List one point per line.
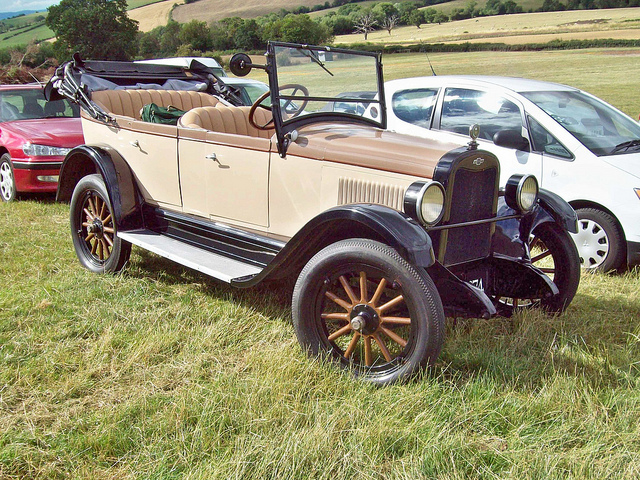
(385, 233)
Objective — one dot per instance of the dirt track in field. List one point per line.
(154, 15)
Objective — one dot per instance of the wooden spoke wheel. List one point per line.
(554, 253)
(361, 304)
(93, 227)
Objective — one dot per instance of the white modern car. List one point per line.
(577, 146)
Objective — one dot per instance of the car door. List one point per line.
(225, 176)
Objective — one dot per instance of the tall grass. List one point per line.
(160, 372)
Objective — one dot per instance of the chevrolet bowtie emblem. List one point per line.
(478, 161)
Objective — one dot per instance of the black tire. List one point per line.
(553, 252)
(379, 341)
(600, 241)
(93, 230)
(7, 182)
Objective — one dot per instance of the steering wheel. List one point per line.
(298, 109)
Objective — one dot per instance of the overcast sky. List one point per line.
(18, 5)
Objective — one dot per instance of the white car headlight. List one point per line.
(424, 201)
(521, 192)
(34, 150)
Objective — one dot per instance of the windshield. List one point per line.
(321, 81)
(597, 125)
(30, 104)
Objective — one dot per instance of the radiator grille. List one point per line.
(472, 199)
(362, 191)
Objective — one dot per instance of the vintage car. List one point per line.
(35, 135)
(385, 233)
(576, 145)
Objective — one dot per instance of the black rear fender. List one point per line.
(118, 178)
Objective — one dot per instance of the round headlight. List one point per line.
(424, 201)
(521, 192)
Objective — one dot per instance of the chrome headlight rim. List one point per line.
(414, 201)
(521, 192)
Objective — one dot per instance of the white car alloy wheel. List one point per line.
(7, 185)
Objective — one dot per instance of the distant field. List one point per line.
(210, 10)
(519, 28)
(153, 15)
(140, 3)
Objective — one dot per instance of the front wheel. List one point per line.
(7, 183)
(93, 229)
(359, 303)
(600, 240)
(554, 253)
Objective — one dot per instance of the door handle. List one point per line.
(135, 144)
(212, 156)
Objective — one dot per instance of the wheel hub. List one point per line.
(364, 319)
(96, 227)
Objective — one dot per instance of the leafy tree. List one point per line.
(196, 34)
(416, 18)
(97, 29)
(298, 29)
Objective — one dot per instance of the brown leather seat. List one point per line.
(225, 119)
(128, 103)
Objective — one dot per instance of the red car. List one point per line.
(35, 136)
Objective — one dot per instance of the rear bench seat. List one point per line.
(128, 103)
(225, 119)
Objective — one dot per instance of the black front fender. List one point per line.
(118, 178)
(375, 222)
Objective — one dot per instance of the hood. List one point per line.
(55, 132)
(627, 163)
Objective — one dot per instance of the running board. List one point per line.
(217, 266)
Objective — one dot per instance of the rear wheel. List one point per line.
(359, 303)
(93, 229)
(600, 240)
(7, 183)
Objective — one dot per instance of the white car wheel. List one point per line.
(599, 240)
(7, 184)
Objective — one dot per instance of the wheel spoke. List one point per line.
(338, 333)
(352, 345)
(391, 303)
(89, 214)
(367, 351)
(383, 347)
(396, 320)
(363, 287)
(395, 337)
(94, 246)
(92, 207)
(89, 237)
(107, 220)
(379, 291)
(544, 254)
(547, 270)
(347, 288)
(108, 229)
(339, 301)
(100, 252)
(335, 316)
(108, 239)
(102, 207)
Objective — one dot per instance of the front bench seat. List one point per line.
(225, 119)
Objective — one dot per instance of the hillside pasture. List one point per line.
(153, 15)
(623, 23)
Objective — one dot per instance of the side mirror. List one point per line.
(240, 65)
(511, 139)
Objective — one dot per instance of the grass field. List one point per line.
(160, 372)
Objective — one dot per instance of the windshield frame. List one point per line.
(285, 127)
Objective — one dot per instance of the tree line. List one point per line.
(102, 30)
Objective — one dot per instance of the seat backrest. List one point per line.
(128, 103)
(225, 119)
